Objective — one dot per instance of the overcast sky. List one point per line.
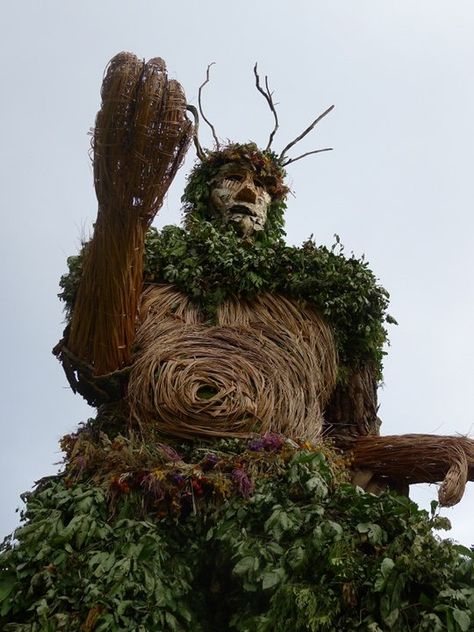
(398, 187)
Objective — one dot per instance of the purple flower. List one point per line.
(256, 445)
(242, 482)
(272, 442)
(269, 442)
(209, 461)
(177, 479)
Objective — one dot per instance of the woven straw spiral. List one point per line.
(265, 365)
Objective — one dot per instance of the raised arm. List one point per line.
(140, 139)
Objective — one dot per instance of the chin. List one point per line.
(245, 226)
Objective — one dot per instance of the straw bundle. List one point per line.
(140, 139)
(419, 458)
(266, 365)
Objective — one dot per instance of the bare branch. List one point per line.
(306, 131)
(308, 153)
(200, 106)
(268, 96)
(199, 150)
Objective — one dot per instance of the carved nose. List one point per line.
(246, 194)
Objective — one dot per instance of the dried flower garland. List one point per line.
(176, 479)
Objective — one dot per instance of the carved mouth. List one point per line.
(240, 209)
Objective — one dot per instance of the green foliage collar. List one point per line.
(211, 264)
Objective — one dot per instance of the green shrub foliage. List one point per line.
(303, 551)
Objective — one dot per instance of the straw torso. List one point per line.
(264, 364)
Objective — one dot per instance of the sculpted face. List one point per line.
(240, 197)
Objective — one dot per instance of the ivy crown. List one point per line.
(265, 164)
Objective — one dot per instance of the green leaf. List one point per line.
(295, 557)
(464, 550)
(172, 621)
(373, 531)
(392, 618)
(245, 565)
(386, 566)
(7, 584)
(450, 621)
(462, 619)
(272, 578)
(275, 548)
(431, 623)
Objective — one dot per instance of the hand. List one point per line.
(141, 136)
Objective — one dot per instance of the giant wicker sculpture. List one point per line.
(265, 361)
(235, 379)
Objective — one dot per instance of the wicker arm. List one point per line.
(352, 409)
(396, 461)
(403, 460)
(140, 140)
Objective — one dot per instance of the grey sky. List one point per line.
(398, 187)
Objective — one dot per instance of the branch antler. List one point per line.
(199, 150)
(308, 153)
(268, 97)
(200, 106)
(302, 135)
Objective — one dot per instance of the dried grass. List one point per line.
(140, 139)
(267, 365)
(420, 458)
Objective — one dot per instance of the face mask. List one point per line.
(240, 197)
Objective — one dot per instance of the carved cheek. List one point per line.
(263, 201)
(221, 198)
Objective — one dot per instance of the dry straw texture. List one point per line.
(140, 139)
(266, 365)
(420, 458)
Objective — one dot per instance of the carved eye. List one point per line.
(235, 177)
(259, 183)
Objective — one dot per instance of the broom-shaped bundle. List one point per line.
(140, 140)
(419, 458)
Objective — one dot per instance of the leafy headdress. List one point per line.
(266, 164)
